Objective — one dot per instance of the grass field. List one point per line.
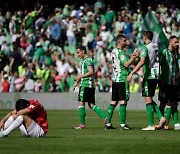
(61, 138)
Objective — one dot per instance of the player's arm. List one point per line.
(23, 111)
(133, 57)
(75, 85)
(89, 73)
(6, 118)
(138, 66)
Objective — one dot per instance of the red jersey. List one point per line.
(38, 114)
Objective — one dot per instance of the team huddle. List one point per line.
(159, 67)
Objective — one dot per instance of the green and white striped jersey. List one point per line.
(87, 81)
(151, 66)
(170, 65)
(120, 72)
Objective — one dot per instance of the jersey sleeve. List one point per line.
(33, 107)
(123, 58)
(144, 52)
(89, 63)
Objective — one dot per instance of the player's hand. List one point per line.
(78, 78)
(1, 125)
(135, 53)
(129, 78)
(73, 88)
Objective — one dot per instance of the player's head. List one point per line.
(121, 41)
(21, 104)
(81, 51)
(174, 42)
(147, 36)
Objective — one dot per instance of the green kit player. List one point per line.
(120, 87)
(170, 75)
(150, 62)
(87, 87)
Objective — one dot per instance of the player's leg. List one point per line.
(89, 96)
(81, 110)
(171, 107)
(18, 121)
(8, 122)
(110, 110)
(97, 109)
(149, 105)
(113, 104)
(123, 97)
(162, 98)
(175, 116)
(82, 115)
(174, 110)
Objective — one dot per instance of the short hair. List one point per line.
(81, 47)
(148, 34)
(119, 37)
(172, 37)
(21, 104)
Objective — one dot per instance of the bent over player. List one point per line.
(29, 117)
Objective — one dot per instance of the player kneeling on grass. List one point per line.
(29, 117)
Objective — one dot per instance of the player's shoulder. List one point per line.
(115, 50)
(152, 45)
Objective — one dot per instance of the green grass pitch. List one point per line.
(61, 138)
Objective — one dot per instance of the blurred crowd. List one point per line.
(38, 52)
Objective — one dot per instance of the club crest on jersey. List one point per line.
(122, 57)
(31, 106)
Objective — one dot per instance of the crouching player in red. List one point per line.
(29, 117)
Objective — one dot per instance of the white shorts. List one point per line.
(34, 130)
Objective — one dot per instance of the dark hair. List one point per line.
(148, 34)
(172, 37)
(82, 48)
(119, 37)
(21, 104)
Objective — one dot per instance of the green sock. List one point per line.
(122, 113)
(82, 114)
(150, 113)
(110, 112)
(167, 114)
(175, 115)
(99, 111)
(157, 110)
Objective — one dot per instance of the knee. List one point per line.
(14, 116)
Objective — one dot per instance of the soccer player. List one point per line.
(170, 66)
(87, 87)
(120, 87)
(29, 117)
(150, 61)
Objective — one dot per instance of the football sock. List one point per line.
(8, 122)
(18, 122)
(150, 113)
(122, 113)
(23, 130)
(110, 112)
(175, 115)
(167, 114)
(82, 114)
(99, 112)
(157, 110)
